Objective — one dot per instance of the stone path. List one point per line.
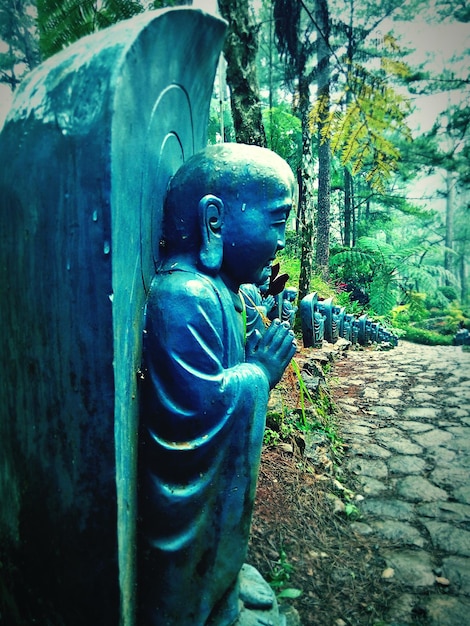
(407, 424)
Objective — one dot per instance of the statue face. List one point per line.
(253, 233)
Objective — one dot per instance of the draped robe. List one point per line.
(202, 424)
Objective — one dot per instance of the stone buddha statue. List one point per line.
(205, 384)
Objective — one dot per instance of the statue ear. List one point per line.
(211, 211)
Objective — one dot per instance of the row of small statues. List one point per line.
(262, 306)
(323, 320)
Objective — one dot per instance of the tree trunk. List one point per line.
(353, 215)
(450, 208)
(306, 219)
(241, 46)
(306, 204)
(347, 208)
(349, 226)
(463, 279)
(324, 152)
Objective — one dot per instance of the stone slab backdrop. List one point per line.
(85, 156)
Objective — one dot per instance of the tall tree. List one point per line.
(270, 66)
(449, 221)
(357, 122)
(240, 50)
(295, 35)
(324, 151)
(18, 33)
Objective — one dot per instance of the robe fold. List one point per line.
(202, 424)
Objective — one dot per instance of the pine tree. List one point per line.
(18, 33)
(61, 22)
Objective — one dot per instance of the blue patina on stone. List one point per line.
(85, 156)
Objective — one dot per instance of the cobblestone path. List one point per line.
(407, 426)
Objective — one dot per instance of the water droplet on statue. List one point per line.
(95, 216)
(106, 247)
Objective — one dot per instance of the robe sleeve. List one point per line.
(196, 377)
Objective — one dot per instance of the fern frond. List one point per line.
(353, 255)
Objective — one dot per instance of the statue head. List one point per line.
(290, 294)
(226, 207)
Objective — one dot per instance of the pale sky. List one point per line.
(5, 103)
(434, 46)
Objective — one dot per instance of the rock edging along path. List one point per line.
(406, 425)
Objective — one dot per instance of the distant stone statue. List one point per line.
(288, 308)
(258, 304)
(204, 389)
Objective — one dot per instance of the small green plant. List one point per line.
(351, 510)
(325, 408)
(280, 575)
(352, 306)
(304, 393)
(279, 427)
(271, 437)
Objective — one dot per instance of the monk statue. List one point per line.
(288, 308)
(258, 304)
(205, 385)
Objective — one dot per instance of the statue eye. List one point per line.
(280, 215)
(279, 219)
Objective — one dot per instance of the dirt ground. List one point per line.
(301, 536)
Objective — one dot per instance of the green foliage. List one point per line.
(430, 325)
(61, 22)
(445, 321)
(289, 258)
(315, 414)
(321, 286)
(365, 122)
(344, 299)
(290, 593)
(378, 270)
(388, 272)
(351, 510)
(325, 421)
(304, 395)
(279, 427)
(284, 134)
(426, 337)
(449, 292)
